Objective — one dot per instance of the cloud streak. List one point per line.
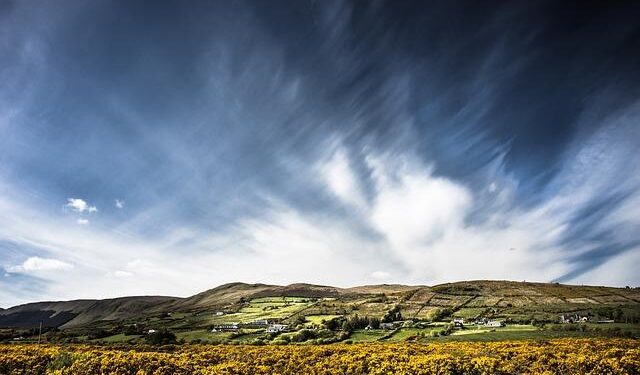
(338, 143)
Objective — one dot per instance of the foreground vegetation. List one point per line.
(584, 356)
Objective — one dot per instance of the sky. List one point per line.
(167, 147)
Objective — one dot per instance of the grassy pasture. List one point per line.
(367, 335)
(317, 319)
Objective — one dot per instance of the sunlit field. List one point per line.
(563, 356)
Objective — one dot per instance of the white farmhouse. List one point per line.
(275, 328)
(387, 325)
(225, 327)
(494, 323)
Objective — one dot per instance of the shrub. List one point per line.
(161, 337)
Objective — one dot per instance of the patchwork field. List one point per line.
(240, 313)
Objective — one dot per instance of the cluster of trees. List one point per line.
(445, 331)
(439, 313)
(603, 330)
(132, 329)
(303, 335)
(161, 337)
(392, 315)
(352, 323)
(98, 333)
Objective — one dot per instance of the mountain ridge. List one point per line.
(413, 299)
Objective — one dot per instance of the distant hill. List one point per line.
(67, 314)
(468, 298)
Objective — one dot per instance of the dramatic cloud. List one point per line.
(338, 143)
(341, 179)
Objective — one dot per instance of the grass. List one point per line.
(500, 335)
(405, 333)
(206, 335)
(476, 330)
(262, 308)
(203, 335)
(367, 336)
(279, 300)
(317, 319)
(469, 312)
(118, 338)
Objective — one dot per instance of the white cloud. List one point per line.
(380, 275)
(119, 203)
(419, 209)
(35, 264)
(120, 274)
(423, 217)
(341, 179)
(82, 221)
(80, 205)
(621, 270)
(423, 225)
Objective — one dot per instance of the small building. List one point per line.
(494, 323)
(275, 328)
(151, 331)
(387, 325)
(219, 313)
(573, 318)
(458, 322)
(225, 327)
(606, 321)
(259, 322)
(567, 318)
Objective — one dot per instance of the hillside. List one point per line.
(68, 314)
(240, 302)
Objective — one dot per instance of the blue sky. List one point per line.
(168, 147)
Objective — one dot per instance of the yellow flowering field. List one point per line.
(561, 356)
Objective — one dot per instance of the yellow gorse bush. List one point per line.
(562, 356)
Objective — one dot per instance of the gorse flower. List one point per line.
(564, 356)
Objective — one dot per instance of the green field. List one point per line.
(530, 310)
(368, 335)
(318, 319)
(404, 333)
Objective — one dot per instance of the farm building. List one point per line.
(387, 325)
(494, 323)
(573, 318)
(274, 328)
(225, 327)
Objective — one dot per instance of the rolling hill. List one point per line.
(242, 302)
(68, 314)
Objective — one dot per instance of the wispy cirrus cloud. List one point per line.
(340, 144)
